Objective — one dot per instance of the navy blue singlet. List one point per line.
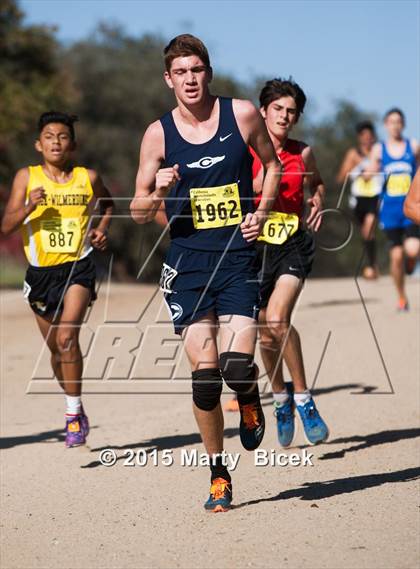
(205, 208)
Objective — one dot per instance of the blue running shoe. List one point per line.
(316, 431)
(220, 499)
(285, 423)
(284, 414)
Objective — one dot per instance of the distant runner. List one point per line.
(365, 192)
(398, 159)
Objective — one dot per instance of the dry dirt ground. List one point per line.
(357, 506)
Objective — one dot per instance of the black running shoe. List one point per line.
(252, 425)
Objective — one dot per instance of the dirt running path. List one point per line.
(356, 507)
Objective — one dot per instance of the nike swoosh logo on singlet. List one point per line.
(223, 138)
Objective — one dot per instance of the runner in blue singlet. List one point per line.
(397, 158)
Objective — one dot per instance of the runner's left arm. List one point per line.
(316, 187)
(255, 134)
(98, 235)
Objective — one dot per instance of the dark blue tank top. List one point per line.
(206, 207)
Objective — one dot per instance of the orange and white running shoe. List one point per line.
(220, 496)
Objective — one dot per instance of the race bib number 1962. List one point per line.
(60, 235)
(279, 227)
(215, 207)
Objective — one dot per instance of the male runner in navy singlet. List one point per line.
(196, 159)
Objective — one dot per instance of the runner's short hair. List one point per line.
(58, 116)
(279, 87)
(395, 110)
(365, 125)
(183, 46)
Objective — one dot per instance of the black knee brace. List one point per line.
(206, 388)
(239, 372)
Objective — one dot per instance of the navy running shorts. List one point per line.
(195, 283)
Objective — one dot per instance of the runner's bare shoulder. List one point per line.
(153, 141)
(244, 109)
(248, 118)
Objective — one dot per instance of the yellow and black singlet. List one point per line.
(55, 232)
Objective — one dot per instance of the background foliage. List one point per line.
(113, 82)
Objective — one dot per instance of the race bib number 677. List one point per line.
(279, 227)
(215, 207)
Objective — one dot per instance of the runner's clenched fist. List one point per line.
(166, 178)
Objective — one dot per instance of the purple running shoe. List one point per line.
(75, 433)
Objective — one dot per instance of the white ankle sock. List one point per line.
(73, 405)
(281, 397)
(302, 398)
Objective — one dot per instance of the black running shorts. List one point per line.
(294, 257)
(364, 206)
(397, 235)
(44, 287)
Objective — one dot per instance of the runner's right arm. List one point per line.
(153, 183)
(161, 217)
(412, 201)
(17, 210)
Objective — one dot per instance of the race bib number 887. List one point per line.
(215, 207)
(60, 235)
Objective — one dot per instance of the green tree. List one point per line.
(114, 82)
(31, 81)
